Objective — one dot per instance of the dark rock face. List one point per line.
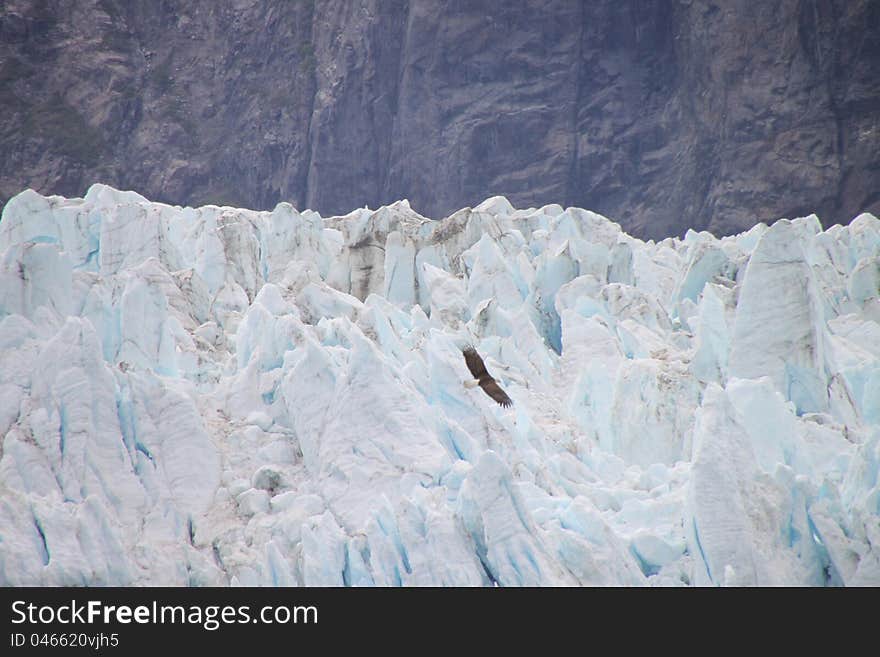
(660, 115)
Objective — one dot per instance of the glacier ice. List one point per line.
(218, 396)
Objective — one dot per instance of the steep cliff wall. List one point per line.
(661, 115)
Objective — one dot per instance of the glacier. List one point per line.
(220, 396)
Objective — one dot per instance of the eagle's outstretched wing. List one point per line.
(478, 369)
(490, 387)
(474, 363)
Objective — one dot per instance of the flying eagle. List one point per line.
(482, 377)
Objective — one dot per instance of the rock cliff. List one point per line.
(661, 115)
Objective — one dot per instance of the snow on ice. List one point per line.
(216, 396)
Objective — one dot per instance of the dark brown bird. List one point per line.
(482, 377)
